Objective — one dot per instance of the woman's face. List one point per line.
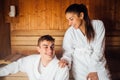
(74, 20)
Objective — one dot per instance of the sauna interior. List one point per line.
(34, 18)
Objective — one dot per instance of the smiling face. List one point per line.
(74, 20)
(46, 50)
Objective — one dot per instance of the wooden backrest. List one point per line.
(25, 41)
(113, 41)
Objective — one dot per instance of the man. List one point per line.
(39, 67)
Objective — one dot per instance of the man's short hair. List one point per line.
(47, 38)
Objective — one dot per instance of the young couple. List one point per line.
(83, 44)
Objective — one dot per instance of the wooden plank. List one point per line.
(4, 62)
(31, 48)
(57, 42)
(28, 49)
(114, 49)
(30, 42)
(32, 38)
(113, 44)
(37, 32)
(24, 49)
(113, 33)
(16, 76)
(113, 39)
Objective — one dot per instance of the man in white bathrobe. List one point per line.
(43, 66)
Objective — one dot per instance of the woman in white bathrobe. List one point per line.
(43, 66)
(84, 44)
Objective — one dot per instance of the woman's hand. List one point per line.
(92, 76)
(62, 63)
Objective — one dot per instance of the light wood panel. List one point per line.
(25, 42)
(49, 14)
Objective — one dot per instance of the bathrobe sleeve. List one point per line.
(98, 46)
(62, 74)
(14, 67)
(67, 46)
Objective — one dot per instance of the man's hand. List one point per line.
(62, 63)
(92, 76)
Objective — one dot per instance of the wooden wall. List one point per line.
(49, 14)
(4, 34)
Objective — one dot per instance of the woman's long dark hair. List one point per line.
(78, 8)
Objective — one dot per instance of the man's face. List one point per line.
(46, 49)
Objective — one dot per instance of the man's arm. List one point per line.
(62, 74)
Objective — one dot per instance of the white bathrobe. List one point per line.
(86, 57)
(30, 65)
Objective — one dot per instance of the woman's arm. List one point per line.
(68, 50)
(98, 46)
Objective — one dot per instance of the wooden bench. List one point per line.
(20, 76)
(17, 76)
(24, 42)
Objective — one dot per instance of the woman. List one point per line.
(84, 44)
